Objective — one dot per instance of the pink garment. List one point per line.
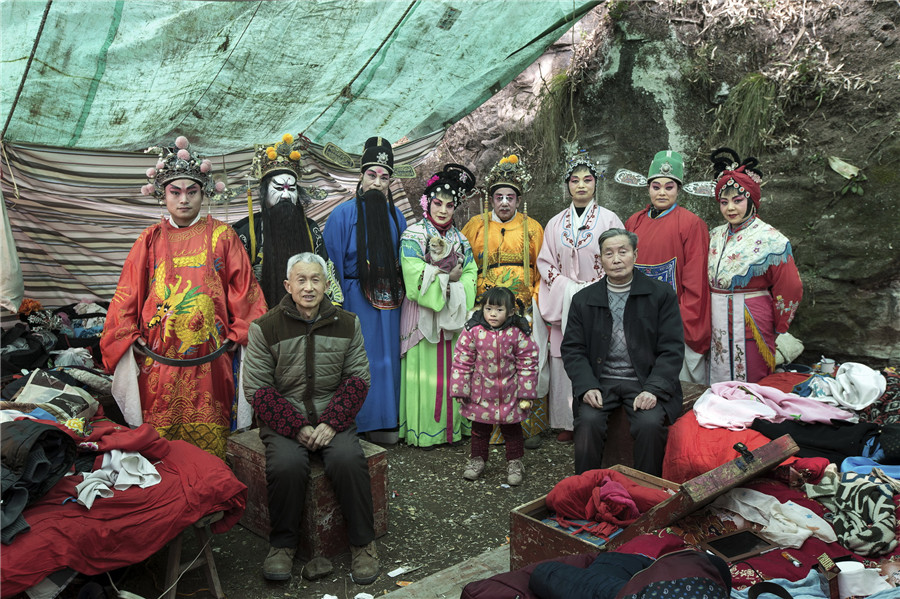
(570, 255)
(734, 405)
(612, 503)
(494, 370)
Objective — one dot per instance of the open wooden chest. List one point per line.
(534, 537)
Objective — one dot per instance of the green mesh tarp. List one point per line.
(125, 75)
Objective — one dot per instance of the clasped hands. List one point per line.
(644, 400)
(316, 438)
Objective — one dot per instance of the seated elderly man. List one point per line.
(307, 374)
(624, 346)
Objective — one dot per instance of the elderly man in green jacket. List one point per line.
(307, 375)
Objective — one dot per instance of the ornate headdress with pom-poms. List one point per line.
(281, 157)
(510, 171)
(454, 179)
(179, 162)
(741, 175)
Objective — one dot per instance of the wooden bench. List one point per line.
(619, 448)
(323, 530)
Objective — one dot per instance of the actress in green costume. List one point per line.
(439, 274)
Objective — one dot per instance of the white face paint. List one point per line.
(282, 187)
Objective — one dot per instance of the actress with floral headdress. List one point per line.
(185, 300)
(755, 284)
(439, 273)
(569, 261)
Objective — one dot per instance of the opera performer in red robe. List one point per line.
(672, 246)
(755, 285)
(183, 304)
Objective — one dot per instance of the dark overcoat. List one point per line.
(653, 333)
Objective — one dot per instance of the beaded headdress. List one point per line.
(454, 179)
(509, 172)
(179, 162)
(581, 159)
(743, 176)
(282, 157)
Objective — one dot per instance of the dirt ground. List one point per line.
(436, 519)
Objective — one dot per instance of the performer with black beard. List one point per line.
(281, 228)
(364, 242)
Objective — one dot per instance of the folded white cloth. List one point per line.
(119, 470)
(786, 524)
(95, 484)
(131, 468)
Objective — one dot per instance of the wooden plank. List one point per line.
(702, 490)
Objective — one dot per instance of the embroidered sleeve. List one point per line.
(348, 398)
(276, 412)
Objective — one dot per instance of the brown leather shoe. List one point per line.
(565, 437)
(364, 565)
(278, 563)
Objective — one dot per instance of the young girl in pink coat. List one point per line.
(495, 377)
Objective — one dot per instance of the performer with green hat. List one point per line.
(671, 242)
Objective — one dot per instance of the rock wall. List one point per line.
(654, 76)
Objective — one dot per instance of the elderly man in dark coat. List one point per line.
(624, 346)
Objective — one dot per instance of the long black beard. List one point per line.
(375, 246)
(285, 233)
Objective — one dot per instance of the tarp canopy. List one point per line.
(116, 75)
(86, 84)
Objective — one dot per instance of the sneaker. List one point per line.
(278, 563)
(316, 568)
(364, 563)
(474, 468)
(565, 437)
(515, 472)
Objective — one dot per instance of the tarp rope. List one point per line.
(224, 62)
(37, 39)
(346, 90)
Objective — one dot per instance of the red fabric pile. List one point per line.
(609, 499)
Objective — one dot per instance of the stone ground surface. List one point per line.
(436, 520)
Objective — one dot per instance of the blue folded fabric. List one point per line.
(862, 465)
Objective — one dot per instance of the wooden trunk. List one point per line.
(702, 490)
(323, 530)
(531, 540)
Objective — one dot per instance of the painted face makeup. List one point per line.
(582, 185)
(282, 187)
(734, 207)
(442, 209)
(505, 202)
(376, 177)
(183, 200)
(663, 193)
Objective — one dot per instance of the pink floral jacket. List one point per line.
(492, 371)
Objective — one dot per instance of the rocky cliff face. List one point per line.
(790, 82)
